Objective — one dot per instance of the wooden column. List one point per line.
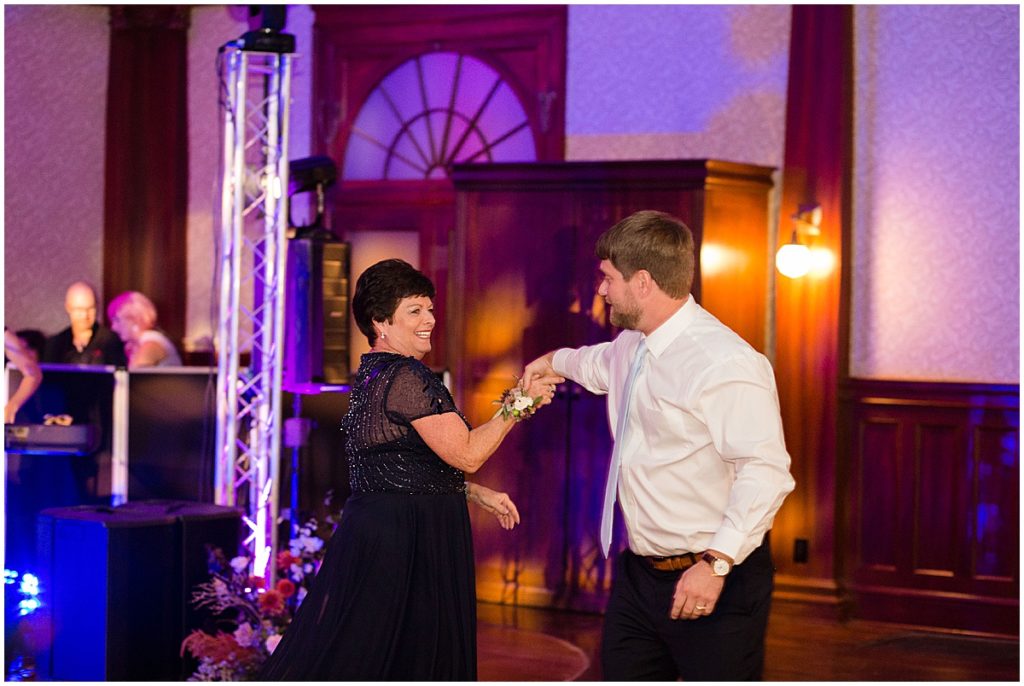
(811, 340)
(147, 159)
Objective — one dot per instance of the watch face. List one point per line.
(720, 568)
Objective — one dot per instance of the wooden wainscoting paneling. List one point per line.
(880, 438)
(933, 529)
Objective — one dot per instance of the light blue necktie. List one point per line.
(620, 440)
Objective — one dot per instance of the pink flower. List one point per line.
(272, 642)
(239, 564)
(245, 636)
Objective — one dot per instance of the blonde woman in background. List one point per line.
(133, 317)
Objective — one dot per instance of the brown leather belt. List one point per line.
(674, 562)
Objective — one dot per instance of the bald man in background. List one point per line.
(85, 341)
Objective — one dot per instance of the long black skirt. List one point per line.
(394, 600)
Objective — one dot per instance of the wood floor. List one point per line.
(802, 645)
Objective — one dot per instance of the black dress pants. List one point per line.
(641, 643)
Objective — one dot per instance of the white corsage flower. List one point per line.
(517, 405)
(523, 402)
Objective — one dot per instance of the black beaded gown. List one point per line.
(395, 597)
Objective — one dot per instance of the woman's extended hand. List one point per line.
(543, 387)
(498, 504)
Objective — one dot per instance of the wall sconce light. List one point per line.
(794, 258)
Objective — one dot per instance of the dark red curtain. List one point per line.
(810, 354)
(147, 159)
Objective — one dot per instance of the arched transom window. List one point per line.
(433, 111)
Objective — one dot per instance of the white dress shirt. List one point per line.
(705, 464)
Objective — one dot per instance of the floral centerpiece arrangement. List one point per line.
(250, 617)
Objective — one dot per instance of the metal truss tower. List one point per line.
(252, 248)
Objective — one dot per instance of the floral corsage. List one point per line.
(517, 405)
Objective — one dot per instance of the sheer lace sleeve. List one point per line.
(416, 392)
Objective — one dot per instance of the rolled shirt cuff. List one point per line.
(559, 360)
(729, 542)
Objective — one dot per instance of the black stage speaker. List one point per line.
(116, 585)
(199, 527)
(316, 314)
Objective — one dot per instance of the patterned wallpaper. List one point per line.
(55, 101)
(936, 280)
(936, 200)
(211, 27)
(650, 82)
(681, 82)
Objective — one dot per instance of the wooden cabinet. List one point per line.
(522, 281)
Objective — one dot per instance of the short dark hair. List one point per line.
(655, 241)
(379, 290)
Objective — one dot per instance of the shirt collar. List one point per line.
(662, 337)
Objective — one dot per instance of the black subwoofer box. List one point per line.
(116, 584)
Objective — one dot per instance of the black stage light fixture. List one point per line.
(271, 17)
(268, 38)
(307, 173)
(311, 174)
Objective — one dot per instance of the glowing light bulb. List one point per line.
(711, 258)
(29, 584)
(28, 606)
(793, 260)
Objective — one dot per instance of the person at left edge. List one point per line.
(395, 598)
(21, 357)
